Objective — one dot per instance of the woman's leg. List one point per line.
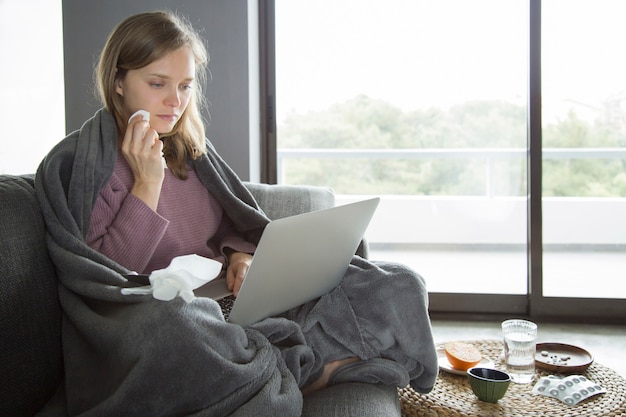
(329, 371)
(380, 311)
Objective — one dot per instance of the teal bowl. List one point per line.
(488, 384)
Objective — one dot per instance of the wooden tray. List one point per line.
(561, 358)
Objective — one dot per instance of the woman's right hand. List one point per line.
(144, 152)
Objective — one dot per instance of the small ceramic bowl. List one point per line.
(488, 384)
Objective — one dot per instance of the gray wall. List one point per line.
(224, 26)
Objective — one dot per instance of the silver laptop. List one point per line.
(298, 259)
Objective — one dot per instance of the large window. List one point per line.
(32, 109)
(426, 105)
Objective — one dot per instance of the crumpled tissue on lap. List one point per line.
(180, 278)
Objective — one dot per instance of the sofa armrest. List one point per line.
(31, 356)
(278, 201)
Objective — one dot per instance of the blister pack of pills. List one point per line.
(571, 389)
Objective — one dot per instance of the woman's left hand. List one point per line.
(238, 264)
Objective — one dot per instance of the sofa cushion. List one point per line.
(30, 314)
(278, 201)
(353, 399)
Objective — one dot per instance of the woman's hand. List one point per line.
(144, 152)
(238, 264)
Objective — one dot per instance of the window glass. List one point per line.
(32, 109)
(584, 139)
(424, 104)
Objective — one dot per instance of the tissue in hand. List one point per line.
(145, 115)
(181, 277)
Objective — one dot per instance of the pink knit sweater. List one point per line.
(188, 220)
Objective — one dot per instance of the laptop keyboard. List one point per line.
(226, 305)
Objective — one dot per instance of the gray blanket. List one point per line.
(134, 355)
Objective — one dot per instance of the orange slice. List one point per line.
(461, 355)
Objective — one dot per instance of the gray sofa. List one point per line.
(31, 359)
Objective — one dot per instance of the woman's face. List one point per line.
(162, 88)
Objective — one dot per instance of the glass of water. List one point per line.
(520, 338)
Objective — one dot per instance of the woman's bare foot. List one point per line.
(329, 370)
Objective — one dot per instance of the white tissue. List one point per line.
(180, 278)
(145, 115)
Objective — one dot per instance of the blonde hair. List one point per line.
(138, 41)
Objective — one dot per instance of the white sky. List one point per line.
(425, 53)
(412, 53)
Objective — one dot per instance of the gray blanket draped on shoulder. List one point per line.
(134, 355)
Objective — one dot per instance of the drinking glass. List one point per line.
(520, 338)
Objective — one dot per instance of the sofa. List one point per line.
(31, 360)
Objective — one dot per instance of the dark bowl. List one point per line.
(488, 384)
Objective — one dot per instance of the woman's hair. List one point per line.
(138, 41)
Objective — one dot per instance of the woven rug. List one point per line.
(453, 397)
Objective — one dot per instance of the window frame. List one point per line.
(461, 305)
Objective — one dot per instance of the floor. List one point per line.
(606, 343)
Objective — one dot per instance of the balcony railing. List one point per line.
(487, 219)
(489, 155)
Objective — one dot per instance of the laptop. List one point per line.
(298, 259)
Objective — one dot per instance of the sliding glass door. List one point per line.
(584, 157)
(426, 104)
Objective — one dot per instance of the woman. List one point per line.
(166, 82)
(111, 206)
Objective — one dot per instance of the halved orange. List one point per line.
(462, 355)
